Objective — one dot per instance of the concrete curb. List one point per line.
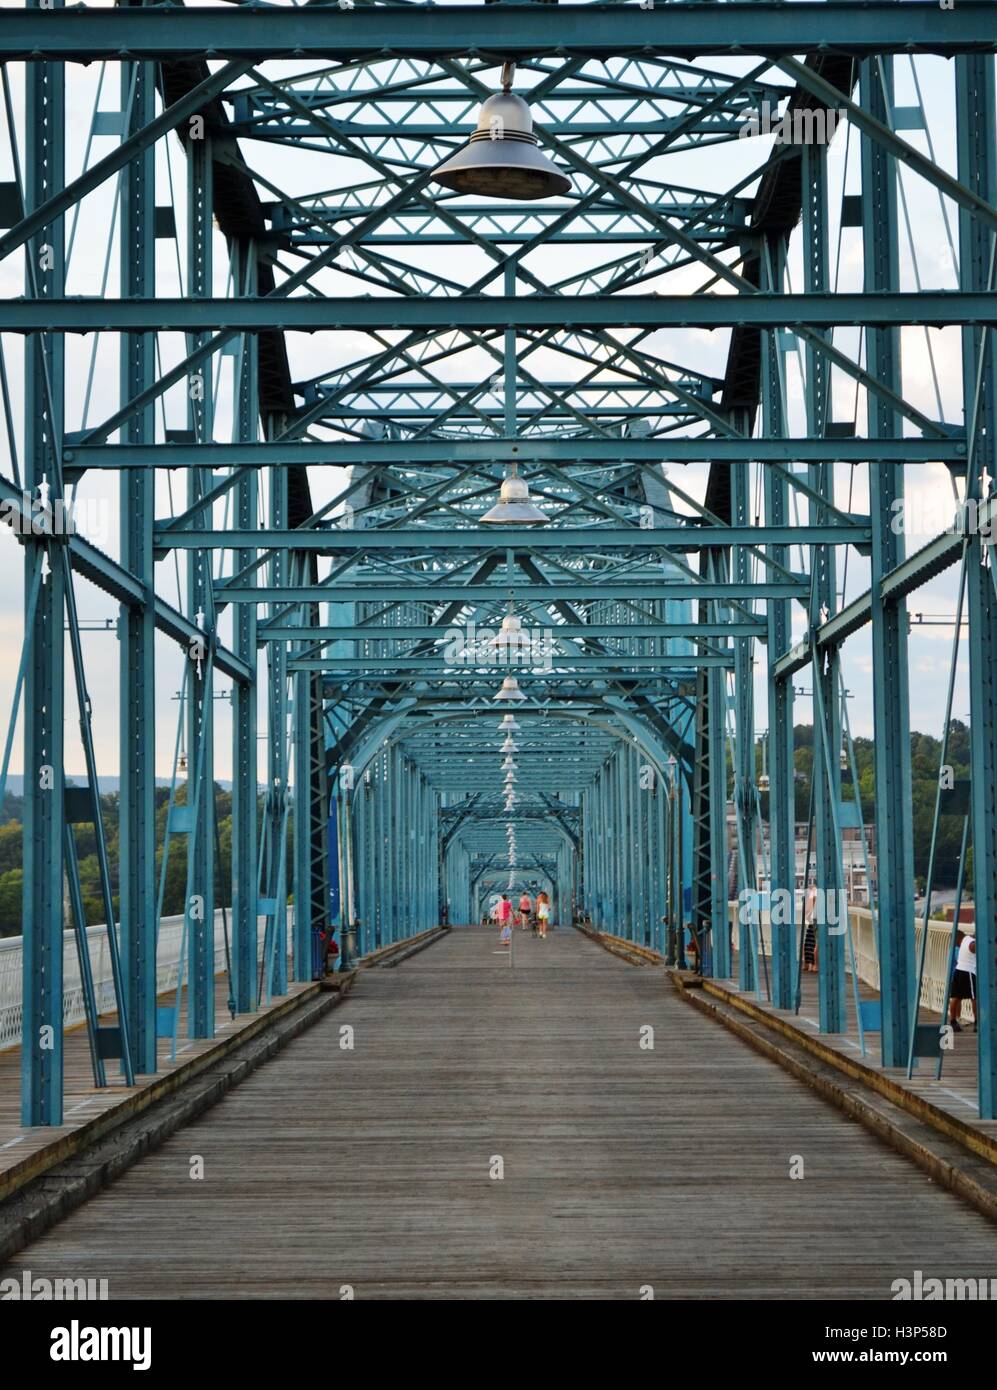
(952, 1153)
(39, 1202)
(943, 1158)
(398, 951)
(34, 1164)
(976, 1141)
(620, 946)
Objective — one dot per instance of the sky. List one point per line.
(930, 378)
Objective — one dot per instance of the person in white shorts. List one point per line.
(543, 914)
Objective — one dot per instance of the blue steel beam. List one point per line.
(245, 780)
(603, 539)
(44, 760)
(136, 631)
(771, 27)
(320, 633)
(931, 308)
(424, 452)
(891, 698)
(976, 129)
(199, 904)
(826, 774)
(779, 737)
(579, 591)
(430, 665)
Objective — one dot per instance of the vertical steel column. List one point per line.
(891, 711)
(623, 839)
(976, 117)
(672, 880)
(640, 856)
(607, 830)
(245, 920)
(660, 852)
(401, 839)
(200, 907)
(277, 768)
(782, 792)
(339, 801)
(590, 819)
(744, 734)
(621, 899)
(600, 837)
(380, 877)
(718, 934)
(823, 602)
(402, 845)
(430, 840)
(827, 776)
(413, 812)
(405, 844)
(612, 909)
(318, 800)
(304, 767)
(362, 812)
(603, 831)
(394, 850)
(136, 627)
(628, 925)
(44, 810)
(349, 865)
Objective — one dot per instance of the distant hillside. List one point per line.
(15, 785)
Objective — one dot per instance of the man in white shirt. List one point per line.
(964, 977)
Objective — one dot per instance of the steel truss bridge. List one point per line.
(298, 370)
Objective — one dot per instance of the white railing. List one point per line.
(167, 963)
(937, 964)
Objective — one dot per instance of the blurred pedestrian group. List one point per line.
(532, 915)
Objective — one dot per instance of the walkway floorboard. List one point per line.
(623, 1168)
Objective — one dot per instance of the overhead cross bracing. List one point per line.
(712, 361)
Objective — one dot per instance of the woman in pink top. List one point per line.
(504, 913)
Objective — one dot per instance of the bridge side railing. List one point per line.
(167, 965)
(937, 965)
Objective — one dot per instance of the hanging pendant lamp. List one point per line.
(502, 158)
(509, 690)
(514, 507)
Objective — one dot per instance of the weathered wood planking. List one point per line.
(957, 1091)
(622, 1167)
(83, 1100)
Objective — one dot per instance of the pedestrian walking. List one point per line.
(964, 979)
(543, 914)
(525, 909)
(503, 912)
(810, 930)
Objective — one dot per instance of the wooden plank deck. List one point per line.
(956, 1092)
(85, 1102)
(623, 1168)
